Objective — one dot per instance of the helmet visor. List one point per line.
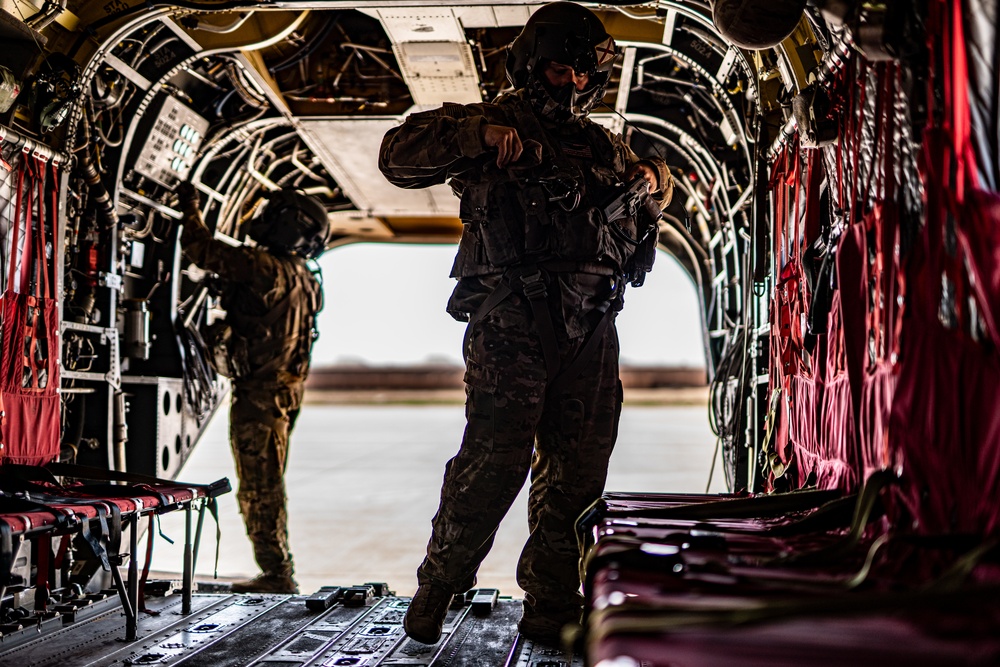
(561, 43)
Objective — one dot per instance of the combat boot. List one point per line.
(547, 625)
(424, 618)
(267, 583)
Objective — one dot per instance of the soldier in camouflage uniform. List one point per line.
(271, 298)
(540, 277)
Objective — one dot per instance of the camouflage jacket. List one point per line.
(576, 167)
(586, 160)
(270, 301)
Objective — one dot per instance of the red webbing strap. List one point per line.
(795, 249)
(63, 549)
(848, 85)
(954, 167)
(16, 226)
(862, 87)
(797, 300)
(961, 116)
(777, 185)
(43, 265)
(876, 221)
(54, 216)
(29, 265)
(897, 305)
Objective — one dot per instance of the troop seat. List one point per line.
(674, 580)
(43, 509)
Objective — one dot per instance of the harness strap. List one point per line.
(532, 285)
(585, 353)
(97, 542)
(537, 293)
(495, 298)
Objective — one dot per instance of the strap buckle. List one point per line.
(532, 285)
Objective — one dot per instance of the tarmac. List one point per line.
(364, 477)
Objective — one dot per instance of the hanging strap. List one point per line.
(145, 566)
(42, 264)
(862, 91)
(25, 285)
(44, 551)
(586, 352)
(16, 226)
(879, 168)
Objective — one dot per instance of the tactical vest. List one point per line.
(544, 213)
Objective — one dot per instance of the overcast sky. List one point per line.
(385, 304)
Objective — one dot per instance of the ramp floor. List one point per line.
(358, 626)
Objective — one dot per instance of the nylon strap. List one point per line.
(537, 295)
(585, 353)
(145, 566)
(16, 226)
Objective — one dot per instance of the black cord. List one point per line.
(636, 128)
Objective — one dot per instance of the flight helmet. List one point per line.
(569, 34)
(292, 222)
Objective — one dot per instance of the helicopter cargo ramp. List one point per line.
(358, 626)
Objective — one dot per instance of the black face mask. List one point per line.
(259, 230)
(565, 104)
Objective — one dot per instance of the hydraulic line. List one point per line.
(99, 193)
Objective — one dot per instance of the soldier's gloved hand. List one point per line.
(531, 155)
(187, 196)
(505, 140)
(647, 172)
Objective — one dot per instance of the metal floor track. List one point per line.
(357, 626)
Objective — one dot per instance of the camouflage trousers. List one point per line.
(515, 427)
(261, 420)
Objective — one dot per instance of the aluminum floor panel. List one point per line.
(97, 640)
(226, 630)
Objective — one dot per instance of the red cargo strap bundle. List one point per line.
(945, 420)
(786, 308)
(29, 357)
